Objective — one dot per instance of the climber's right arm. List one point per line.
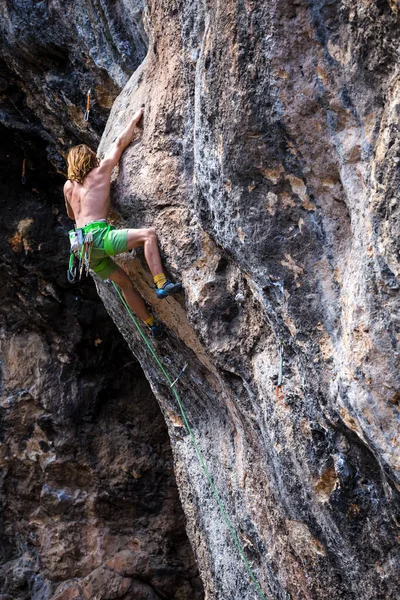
(114, 154)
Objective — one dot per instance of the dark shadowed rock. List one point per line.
(85, 462)
(52, 53)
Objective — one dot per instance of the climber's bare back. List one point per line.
(90, 201)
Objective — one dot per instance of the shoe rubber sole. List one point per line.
(168, 290)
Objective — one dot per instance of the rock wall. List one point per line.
(268, 165)
(88, 501)
(52, 53)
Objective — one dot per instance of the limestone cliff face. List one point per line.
(88, 501)
(52, 53)
(268, 163)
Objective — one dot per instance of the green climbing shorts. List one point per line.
(106, 241)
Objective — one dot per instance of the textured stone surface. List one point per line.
(86, 469)
(268, 164)
(88, 500)
(52, 53)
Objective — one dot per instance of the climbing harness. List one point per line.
(72, 272)
(86, 253)
(23, 178)
(279, 390)
(87, 111)
(81, 242)
(196, 447)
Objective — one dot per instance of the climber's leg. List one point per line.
(122, 240)
(136, 303)
(132, 297)
(148, 239)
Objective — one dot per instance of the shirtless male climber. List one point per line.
(87, 199)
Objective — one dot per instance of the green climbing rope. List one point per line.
(197, 449)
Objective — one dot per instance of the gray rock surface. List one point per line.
(52, 53)
(268, 165)
(88, 501)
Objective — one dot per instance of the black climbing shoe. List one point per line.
(167, 289)
(158, 332)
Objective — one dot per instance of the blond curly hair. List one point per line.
(81, 160)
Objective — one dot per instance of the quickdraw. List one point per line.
(81, 251)
(87, 111)
(179, 376)
(72, 272)
(86, 251)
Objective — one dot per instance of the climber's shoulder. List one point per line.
(106, 165)
(68, 185)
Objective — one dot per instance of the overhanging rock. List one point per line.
(268, 166)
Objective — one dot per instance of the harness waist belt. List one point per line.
(94, 225)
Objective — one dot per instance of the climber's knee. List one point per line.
(139, 237)
(151, 234)
(122, 279)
